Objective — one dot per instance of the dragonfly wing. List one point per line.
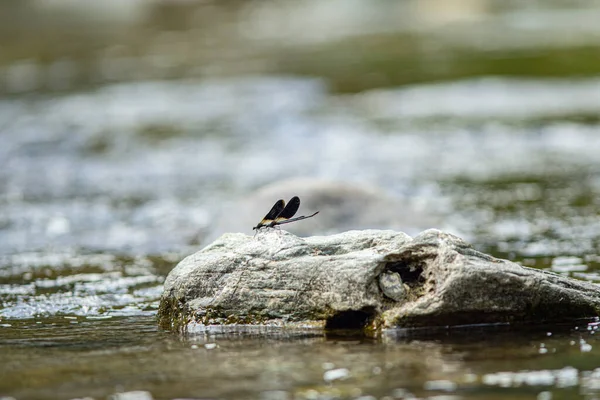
(277, 208)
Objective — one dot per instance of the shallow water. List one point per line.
(111, 175)
(69, 357)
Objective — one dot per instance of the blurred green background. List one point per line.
(65, 45)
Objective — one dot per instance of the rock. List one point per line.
(363, 279)
(134, 395)
(336, 374)
(392, 286)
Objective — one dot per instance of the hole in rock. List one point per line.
(410, 273)
(351, 319)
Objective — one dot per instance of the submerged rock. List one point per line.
(363, 279)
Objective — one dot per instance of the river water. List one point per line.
(119, 156)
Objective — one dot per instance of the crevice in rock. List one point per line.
(351, 319)
(410, 273)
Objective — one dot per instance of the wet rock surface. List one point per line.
(363, 279)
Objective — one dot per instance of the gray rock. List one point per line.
(392, 286)
(363, 279)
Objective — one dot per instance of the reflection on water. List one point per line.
(128, 127)
(76, 357)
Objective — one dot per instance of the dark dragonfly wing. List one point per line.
(285, 217)
(282, 214)
(290, 209)
(277, 208)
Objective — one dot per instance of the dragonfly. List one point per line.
(281, 214)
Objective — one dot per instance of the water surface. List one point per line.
(75, 357)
